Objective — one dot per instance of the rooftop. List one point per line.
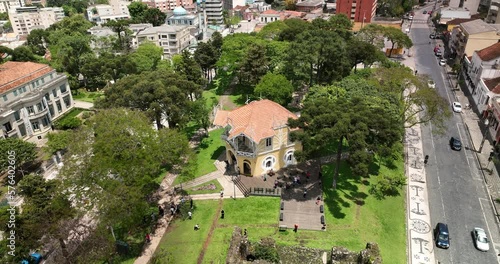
(257, 120)
(490, 53)
(162, 29)
(310, 3)
(493, 85)
(458, 21)
(13, 74)
(477, 26)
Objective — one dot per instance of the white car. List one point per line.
(410, 17)
(457, 107)
(431, 84)
(480, 239)
(442, 62)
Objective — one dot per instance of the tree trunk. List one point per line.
(158, 122)
(64, 251)
(392, 48)
(311, 76)
(337, 162)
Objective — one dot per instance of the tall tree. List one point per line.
(364, 53)
(16, 151)
(397, 38)
(71, 49)
(160, 94)
(188, 67)
(147, 57)
(255, 64)
(154, 16)
(294, 28)
(120, 27)
(37, 41)
(206, 56)
(372, 34)
(274, 87)
(137, 10)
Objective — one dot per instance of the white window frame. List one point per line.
(267, 159)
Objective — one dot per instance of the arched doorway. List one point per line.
(247, 168)
(232, 158)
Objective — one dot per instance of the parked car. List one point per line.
(457, 107)
(432, 35)
(442, 62)
(410, 17)
(430, 13)
(442, 236)
(455, 143)
(431, 84)
(480, 239)
(438, 53)
(425, 12)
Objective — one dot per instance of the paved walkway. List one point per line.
(82, 104)
(419, 229)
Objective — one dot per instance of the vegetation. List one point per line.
(15, 153)
(69, 120)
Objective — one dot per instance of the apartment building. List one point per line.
(173, 39)
(230, 4)
(493, 16)
(470, 5)
(471, 36)
(362, 11)
(25, 19)
(32, 96)
(7, 5)
(116, 10)
(214, 11)
(167, 5)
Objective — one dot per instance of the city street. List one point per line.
(456, 190)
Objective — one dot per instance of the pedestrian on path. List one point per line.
(305, 193)
(161, 211)
(426, 159)
(191, 203)
(221, 194)
(190, 215)
(148, 238)
(222, 214)
(172, 210)
(295, 228)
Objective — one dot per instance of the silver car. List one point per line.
(480, 239)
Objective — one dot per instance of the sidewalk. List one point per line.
(82, 104)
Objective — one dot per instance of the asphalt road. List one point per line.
(457, 192)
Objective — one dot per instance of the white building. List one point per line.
(483, 65)
(470, 5)
(32, 96)
(7, 5)
(194, 21)
(493, 16)
(116, 10)
(213, 10)
(172, 39)
(25, 19)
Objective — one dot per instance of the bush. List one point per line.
(86, 115)
(266, 250)
(68, 123)
(388, 186)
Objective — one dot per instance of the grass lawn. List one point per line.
(353, 217)
(215, 182)
(207, 152)
(71, 114)
(87, 96)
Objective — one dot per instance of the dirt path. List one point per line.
(225, 101)
(210, 233)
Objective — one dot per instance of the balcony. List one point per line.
(241, 145)
(39, 114)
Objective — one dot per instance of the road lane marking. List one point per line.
(437, 172)
(461, 138)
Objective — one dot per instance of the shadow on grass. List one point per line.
(346, 193)
(217, 152)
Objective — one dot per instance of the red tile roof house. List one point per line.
(32, 96)
(493, 113)
(257, 137)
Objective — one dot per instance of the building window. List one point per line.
(45, 121)
(54, 93)
(30, 110)
(39, 107)
(43, 80)
(268, 163)
(269, 142)
(7, 126)
(59, 108)
(22, 129)
(51, 110)
(47, 96)
(15, 92)
(289, 158)
(35, 125)
(5, 98)
(63, 88)
(17, 116)
(67, 101)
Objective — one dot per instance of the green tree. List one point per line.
(57, 141)
(274, 87)
(294, 27)
(217, 42)
(37, 41)
(23, 53)
(147, 57)
(272, 30)
(137, 10)
(4, 16)
(158, 93)
(255, 64)
(364, 53)
(154, 16)
(372, 34)
(188, 67)
(5, 50)
(206, 56)
(124, 35)
(200, 113)
(397, 38)
(7, 27)
(16, 151)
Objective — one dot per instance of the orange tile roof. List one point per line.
(270, 12)
(489, 53)
(14, 74)
(493, 85)
(458, 21)
(257, 120)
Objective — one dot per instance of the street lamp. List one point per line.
(486, 123)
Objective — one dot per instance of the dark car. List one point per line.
(455, 143)
(442, 236)
(425, 12)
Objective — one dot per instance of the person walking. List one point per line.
(305, 193)
(221, 194)
(148, 238)
(161, 211)
(190, 215)
(222, 214)
(295, 228)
